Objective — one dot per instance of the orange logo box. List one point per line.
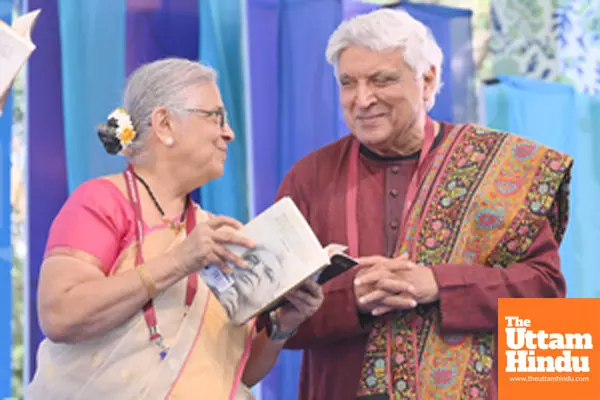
(548, 349)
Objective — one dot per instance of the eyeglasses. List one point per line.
(220, 113)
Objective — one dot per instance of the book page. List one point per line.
(23, 24)
(15, 49)
(287, 253)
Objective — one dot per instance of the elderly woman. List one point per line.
(119, 296)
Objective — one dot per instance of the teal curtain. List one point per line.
(221, 47)
(586, 279)
(556, 115)
(92, 38)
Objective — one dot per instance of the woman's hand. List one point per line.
(205, 245)
(303, 302)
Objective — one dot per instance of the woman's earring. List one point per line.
(169, 142)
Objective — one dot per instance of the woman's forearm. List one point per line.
(93, 307)
(263, 356)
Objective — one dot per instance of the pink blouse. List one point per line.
(97, 220)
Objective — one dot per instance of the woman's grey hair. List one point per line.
(386, 29)
(162, 83)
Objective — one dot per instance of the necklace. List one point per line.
(177, 226)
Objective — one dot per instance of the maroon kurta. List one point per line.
(334, 338)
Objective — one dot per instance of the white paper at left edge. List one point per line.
(15, 48)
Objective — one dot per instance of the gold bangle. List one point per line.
(147, 280)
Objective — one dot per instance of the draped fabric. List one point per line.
(221, 48)
(46, 169)
(5, 232)
(97, 60)
(294, 99)
(93, 76)
(98, 56)
(156, 29)
(295, 106)
(558, 116)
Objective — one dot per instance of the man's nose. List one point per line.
(365, 97)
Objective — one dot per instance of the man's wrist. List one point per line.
(275, 331)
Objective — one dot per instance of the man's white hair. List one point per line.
(386, 29)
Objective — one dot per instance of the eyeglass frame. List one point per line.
(220, 112)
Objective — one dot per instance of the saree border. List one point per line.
(187, 357)
(81, 255)
(244, 360)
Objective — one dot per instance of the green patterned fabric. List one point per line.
(554, 40)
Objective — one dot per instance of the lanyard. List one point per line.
(192, 279)
(411, 192)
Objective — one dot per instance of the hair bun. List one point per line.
(111, 142)
(117, 133)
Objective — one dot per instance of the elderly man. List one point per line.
(445, 219)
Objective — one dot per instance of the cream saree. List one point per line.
(206, 359)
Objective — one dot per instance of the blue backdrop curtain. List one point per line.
(294, 110)
(46, 169)
(96, 61)
(221, 47)
(157, 29)
(92, 38)
(5, 232)
(96, 58)
(294, 99)
(293, 91)
(556, 115)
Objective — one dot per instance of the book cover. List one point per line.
(287, 253)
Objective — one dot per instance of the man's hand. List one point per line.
(304, 302)
(385, 284)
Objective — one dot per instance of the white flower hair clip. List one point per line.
(117, 133)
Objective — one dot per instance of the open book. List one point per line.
(15, 48)
(287, 253)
